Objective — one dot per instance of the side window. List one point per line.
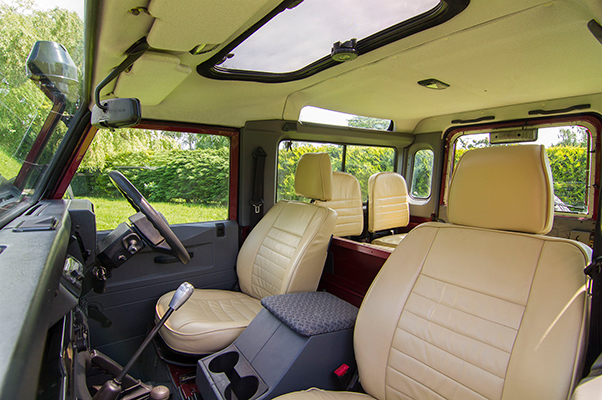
(184, 175)
(422, 174)
(568, 150)
(359, 161)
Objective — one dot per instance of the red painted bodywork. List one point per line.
(353, 267)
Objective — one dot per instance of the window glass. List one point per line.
(306, 32)
(289, 153)
(567, 148)
(365, 161)
(35, 110)
(185, 176)
(359, 161)
(422, 174)
(336, 118)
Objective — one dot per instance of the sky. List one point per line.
(73, 5)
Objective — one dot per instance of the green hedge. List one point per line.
(198, 176)
(569, 169)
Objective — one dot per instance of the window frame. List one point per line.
(445, 11)
(233, 134)
(589, 120)
(411, 169)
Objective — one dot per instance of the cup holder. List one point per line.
(242, 388)
(224, 362)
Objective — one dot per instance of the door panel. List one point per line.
(133, 289)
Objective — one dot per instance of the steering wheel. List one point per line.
(140, 204)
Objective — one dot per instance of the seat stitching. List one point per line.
(447, 352)
(265, 269)
(269, 261)
(406, 302)
(467, 313)
(474, 290)
(281, 242)
(527, 302)
(416, 382)
(429, 389)
(459, 333)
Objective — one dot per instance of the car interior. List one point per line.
(302, 200)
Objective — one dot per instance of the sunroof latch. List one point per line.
(342, 52)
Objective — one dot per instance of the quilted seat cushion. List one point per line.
(208, 322)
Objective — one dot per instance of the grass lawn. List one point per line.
(9, 167)
(110, 213)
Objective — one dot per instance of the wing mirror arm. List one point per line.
(118, 113)
(134, 52)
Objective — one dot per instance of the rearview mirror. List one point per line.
(50, 65)
(116, 113)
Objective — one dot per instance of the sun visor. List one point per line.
(183, 25)
(152, 78)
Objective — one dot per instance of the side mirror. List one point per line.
(50, 65)
(116, 113)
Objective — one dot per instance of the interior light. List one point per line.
(433, 84)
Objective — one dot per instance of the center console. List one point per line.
(296, 342)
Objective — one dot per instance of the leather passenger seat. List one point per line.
(484, 307)
(284, 253)
(347, 202)
(388, 207)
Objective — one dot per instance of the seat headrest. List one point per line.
(504, 187)
(313, 178)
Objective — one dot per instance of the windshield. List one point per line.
(35, 107)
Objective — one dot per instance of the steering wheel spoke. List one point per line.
(161, 238)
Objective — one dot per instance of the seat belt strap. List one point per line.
(259, 156)
(594, 271)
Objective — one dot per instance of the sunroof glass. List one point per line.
(297, 37)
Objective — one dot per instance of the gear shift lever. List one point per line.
(111, 389)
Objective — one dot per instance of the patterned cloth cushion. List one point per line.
(311, 314)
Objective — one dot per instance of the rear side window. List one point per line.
(568, 149)
(184, 175)
(422, 174)
(359, 161)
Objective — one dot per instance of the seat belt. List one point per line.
(257, 199)
(594, 271)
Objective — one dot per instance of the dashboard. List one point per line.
(43, 257)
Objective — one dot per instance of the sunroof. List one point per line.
(298, 37)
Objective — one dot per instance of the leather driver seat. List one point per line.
(485, 307)
(284, 253)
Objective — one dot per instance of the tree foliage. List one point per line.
(361, 162)
(23, 106)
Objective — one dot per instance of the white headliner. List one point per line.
(496, 53)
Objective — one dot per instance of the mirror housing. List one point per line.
(116, 113)
(49, 64)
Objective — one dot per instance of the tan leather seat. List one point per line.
(485, 307)
(347, 202)
(284, 253)
(388, 206)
